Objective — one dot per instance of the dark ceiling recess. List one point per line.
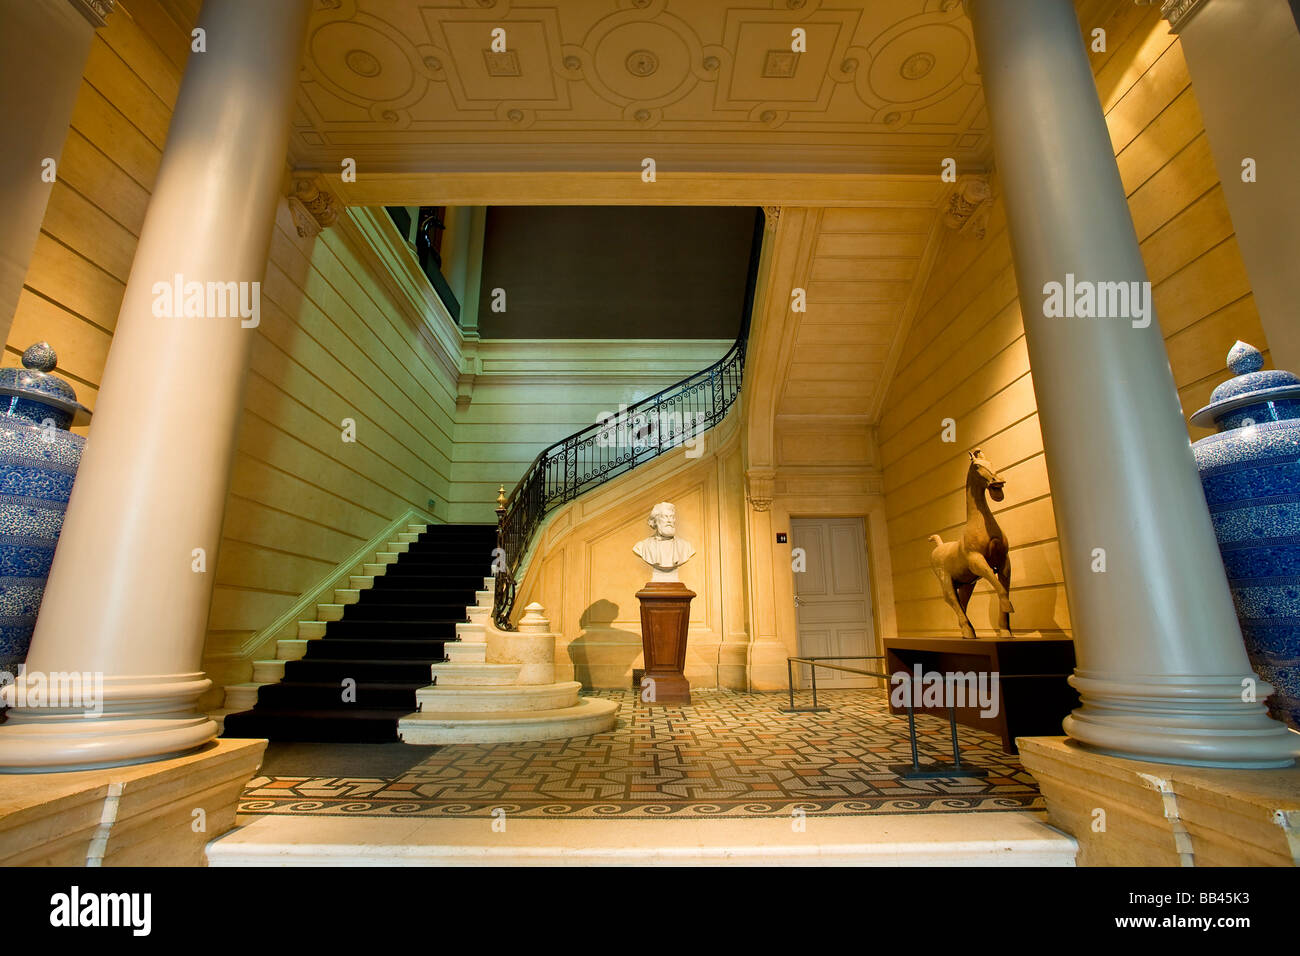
(616, 272)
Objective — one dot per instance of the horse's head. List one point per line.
(982, 470)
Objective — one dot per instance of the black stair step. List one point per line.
(429, 582)
(459, 577)
(403, 611)
(433, 630)
(373, 649)
(444, 535)
(450, 548)
(328, 695)
(453, 597)
(358, 726)
(311, 670)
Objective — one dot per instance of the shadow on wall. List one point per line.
(1036, 606)
(602, 655)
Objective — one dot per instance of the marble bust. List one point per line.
(663, 551)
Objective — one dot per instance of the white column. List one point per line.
(123, 597)
(1160, 656)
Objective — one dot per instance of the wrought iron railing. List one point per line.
(671, 418)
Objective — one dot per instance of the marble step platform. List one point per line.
(455, 674)
(440, 700)
(589, 715)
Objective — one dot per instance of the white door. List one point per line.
(833, 598)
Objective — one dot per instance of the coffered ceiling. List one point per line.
(415, 85)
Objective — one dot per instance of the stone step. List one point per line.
(396, 547)
(311, 630)
(483, 599)
(590, 715)
(290, 649)
(329, 612)
(347, 595)
(362, 582)
(467, 652)
(374, 570)
(478, 615)
(471, 633)
(998, 839)
(268, 672)
(417, 529)
(407, 536)
(386, 557)
(439, 701)
(241, 696)
(464, 674)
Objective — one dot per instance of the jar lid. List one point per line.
(34, 383)
(1249, 386)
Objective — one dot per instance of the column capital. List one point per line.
(96, 11)
(312, 206)
(1177, 12)
(968, 206)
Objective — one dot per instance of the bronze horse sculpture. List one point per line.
(980, 553)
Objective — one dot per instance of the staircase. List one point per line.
(499, 687)
(385, 642)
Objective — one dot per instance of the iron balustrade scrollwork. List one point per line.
(669, 419)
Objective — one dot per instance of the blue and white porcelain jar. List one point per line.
(1251, 474)
(38, 462)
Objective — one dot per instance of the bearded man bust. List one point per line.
(663, 551)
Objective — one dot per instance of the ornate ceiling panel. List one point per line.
(419, 85)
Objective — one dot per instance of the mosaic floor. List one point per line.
(729, 754)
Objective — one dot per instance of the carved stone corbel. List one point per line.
(760, 487)
(311, 207)
(96, 11)
(471, 367)
(969, 206)
(773, 216)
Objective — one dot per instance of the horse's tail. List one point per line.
(936, 540)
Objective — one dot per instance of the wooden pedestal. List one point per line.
(665, 618)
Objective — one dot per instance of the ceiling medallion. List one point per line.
(433, 63)
(711, 63)
(572, 63)
(515, 116)
(362, 63)
(641, 115)
(641, 63)
(916, 66)
(389, 116)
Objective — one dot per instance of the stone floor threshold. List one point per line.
(1018, 838)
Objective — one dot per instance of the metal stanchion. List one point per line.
(914, 771)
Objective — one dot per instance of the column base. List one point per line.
(132, 816)
(1138, 813)
(130, 720)
(1192, 721)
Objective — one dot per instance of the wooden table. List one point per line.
(1032, 672)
